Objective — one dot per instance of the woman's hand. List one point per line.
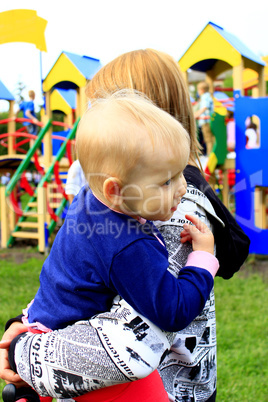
(6, 373)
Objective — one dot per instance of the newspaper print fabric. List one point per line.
(189, 369)
(113, 348)
(121, 345)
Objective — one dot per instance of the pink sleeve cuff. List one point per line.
(205, 260)
(35, 325)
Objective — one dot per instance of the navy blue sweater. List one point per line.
(99, 253)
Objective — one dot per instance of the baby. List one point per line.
(133, 155)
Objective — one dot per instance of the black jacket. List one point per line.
(232, 244)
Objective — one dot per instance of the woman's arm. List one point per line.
(112, 348)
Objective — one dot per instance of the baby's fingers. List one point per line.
(185, 236)
(202, 237)
(189, 230)
(201, 226)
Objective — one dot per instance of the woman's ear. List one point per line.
(112, 191)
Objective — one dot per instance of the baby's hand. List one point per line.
(198, 234)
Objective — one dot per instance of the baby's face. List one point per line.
(156, 189)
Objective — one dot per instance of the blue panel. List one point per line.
(252, 169)
(4, 93)
(56, 144)
(88, 66)
(69, 95)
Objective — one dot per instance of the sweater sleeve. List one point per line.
(170, 303)
(202, 259)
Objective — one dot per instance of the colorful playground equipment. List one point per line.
(252, 174)
(38, 218)
(250, 77)
(213, 52)
(51, 155)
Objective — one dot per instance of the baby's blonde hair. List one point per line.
(113, 136)
(157, 75)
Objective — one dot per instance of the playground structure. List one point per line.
(51, 154)
(213, 52)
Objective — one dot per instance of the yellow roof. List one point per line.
(216, 49)
(63, 70)
(71, 71)
(58, 102)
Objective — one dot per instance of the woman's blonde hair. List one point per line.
(114, 135)
(157, 75)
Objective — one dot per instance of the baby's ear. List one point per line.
(112, 191)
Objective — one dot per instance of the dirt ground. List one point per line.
(23, 251)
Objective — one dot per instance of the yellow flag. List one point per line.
(23, 26)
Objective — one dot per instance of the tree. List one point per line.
(19, 92)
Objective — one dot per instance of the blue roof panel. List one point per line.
(4, 93)
(69, 96)
(88, 66)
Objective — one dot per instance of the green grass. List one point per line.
(241, 310)
(241, 313)
(19, 279)
(19, 283)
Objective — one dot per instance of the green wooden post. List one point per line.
(60, 154)
(25, 163)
